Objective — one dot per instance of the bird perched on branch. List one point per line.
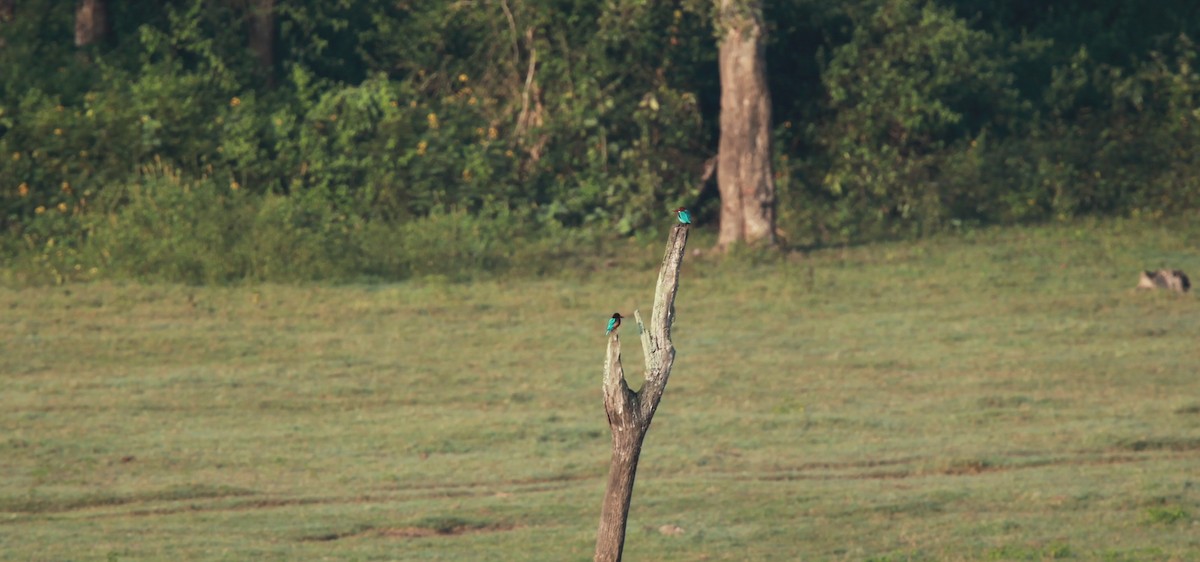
(613, 323)
(684, 216)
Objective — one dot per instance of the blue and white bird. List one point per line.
(613, 323)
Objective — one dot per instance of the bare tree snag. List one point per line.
(629, 412)
(91, 22)
(744, 175)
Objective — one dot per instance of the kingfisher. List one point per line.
(613, 323)
(684, 216)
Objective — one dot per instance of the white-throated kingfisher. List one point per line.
(684, 216)
(613, 323)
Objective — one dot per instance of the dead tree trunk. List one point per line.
(629, 412)
(744, 175)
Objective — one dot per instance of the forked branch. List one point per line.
(629, 412)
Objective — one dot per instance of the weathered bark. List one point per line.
(629, 412)
(91, 22)
(744, 174)
(262, 36)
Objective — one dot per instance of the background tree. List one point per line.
(585, 119)
(7, 13)
(91, 22)
(262, 36)
(744, 171)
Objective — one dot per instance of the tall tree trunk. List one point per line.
(744, 174)
(629, 412)
(91, 22)
(262, 36)
(8, 11)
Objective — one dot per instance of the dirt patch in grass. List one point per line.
(434, 527)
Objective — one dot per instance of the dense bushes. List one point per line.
(397, 139)
(163, 226)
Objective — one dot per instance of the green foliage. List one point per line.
(166, 227)
(894, 117)
(909, 95)
(1166, 515)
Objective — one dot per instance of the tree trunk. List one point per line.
(262, 36)
(744, 174)
(629, 412)
(8, 11)
(91, 22)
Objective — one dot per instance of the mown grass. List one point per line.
(999, 395)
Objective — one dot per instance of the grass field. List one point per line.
(999, 395)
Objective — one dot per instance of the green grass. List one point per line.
(1001, 395)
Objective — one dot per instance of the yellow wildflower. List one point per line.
(421, 146)
(40, 209)
(479, 131)
(466, 175)
(66, 187)
(472, 101)
(57, 132)
(23, 189)
(433, 121)
(395, 103)
(62, 207)
(508, 153)
(236, 101)
(493, 133)
(234, 185)
(16, 156)
(462, 77)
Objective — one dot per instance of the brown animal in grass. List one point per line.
(1172, 279)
